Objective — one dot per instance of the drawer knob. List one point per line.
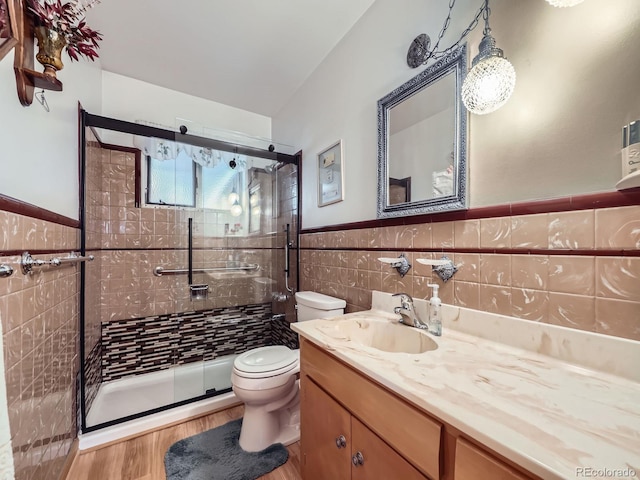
(341, 442)
(357, 459)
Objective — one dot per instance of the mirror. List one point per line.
(422, 125)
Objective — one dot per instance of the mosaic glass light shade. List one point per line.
(236, 209)
(491, 80)
(233, 196)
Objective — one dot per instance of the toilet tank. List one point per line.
(312, 305)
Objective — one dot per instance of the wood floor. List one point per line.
(142, 458)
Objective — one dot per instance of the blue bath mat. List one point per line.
(216, 455)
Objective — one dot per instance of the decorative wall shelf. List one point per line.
(26, 77)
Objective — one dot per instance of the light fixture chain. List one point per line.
(445, 26)
(435, 54)
(485, 16)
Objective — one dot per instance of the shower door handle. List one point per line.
(287, 246)
(286, 258)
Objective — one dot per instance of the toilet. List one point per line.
(265, 380)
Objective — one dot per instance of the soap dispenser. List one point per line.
(435, 320)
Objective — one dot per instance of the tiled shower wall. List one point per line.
(587, 276)
(39, 314)
(130, 242)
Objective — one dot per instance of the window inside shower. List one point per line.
(188, 234)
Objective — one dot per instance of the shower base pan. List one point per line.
(149, 392)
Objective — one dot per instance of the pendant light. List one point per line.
(492, 78)
(234, 199)
(233, 196)
(236, 209)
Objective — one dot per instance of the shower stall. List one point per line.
(194, 237)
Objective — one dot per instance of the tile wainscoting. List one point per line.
(39, 315)
(578, 269)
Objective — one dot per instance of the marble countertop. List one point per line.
(556, 419)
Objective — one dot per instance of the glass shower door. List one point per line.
(164, 216)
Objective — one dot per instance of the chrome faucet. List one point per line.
(407, 312)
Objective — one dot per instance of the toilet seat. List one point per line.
(266, 362)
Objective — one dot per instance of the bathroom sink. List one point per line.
(385, 335)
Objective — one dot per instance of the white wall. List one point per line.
(39, 158)
(39, 155)
(558, 135)
(339, 101)
(128, 99)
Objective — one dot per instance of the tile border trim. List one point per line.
(502, 251)
(13, 205)
(562, 204)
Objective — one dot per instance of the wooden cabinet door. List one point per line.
(379, 460)
(322, 422)
(472, 463)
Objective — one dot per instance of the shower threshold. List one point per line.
(147, 400)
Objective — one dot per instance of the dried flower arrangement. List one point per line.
(68, 19)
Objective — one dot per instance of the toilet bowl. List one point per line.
(265, 380)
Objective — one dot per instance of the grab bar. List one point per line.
(287, 246)
(160, 271)
(28, 262)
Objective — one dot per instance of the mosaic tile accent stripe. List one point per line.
(281, 333)
(93, 374)
(144, 345)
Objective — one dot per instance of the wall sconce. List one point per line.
(492, 78)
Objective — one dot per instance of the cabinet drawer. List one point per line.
(409, 431)
(473, 463)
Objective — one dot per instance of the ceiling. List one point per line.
(250, 54)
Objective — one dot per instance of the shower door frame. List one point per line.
(88, 120)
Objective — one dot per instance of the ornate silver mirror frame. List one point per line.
(450, 68)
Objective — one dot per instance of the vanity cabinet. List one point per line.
(338, 446)
(400, 437)
(344, 413)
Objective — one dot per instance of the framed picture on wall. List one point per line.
(330, 175)
(8, 27)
